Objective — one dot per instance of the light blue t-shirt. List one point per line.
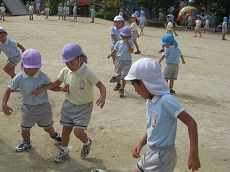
(142, 19)
(225, 25)
(116, 32)
(162, 115)
(10, 48)
(172, 55)
(28, 84)
(60, 9)
(122, 50)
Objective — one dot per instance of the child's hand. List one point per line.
(193, 162)
(183, 62)
(176, 34)
(37, 91)
(7, 110)
(100, 102)
(136, 151)
(160, 64)
(109, 56)
(65, 89)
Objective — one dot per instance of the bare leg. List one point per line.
(171, 83)
(50, 130)
(26, 135)
(66, 130)
(10, 69)
(136, 45)
(134, 170)
(81, 135)
(123, 83)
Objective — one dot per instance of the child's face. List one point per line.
(168, 19)
(31, 71)
(141, 89)
(133, 19)
(118, 24)
(125, 37)
(167, 45)
(75, 64)
(3, 37)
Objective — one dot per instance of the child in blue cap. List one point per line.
(34, 109)
(3, 12)
(224, 27)
(142, 20)
(77, 107)
(162, 112)
(172, 54)
(10, 48)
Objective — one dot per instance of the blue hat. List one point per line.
(121, 9)
(167, 39)
(71, 51)
(207, 16)
(142, 12)
(225, 18)
(198, 16)
(125, 31)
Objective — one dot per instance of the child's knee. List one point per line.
(78, 132)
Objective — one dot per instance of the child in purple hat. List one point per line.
(10, 48)
(77, 107)
(135, 34)
(34, 109)
(123, 50)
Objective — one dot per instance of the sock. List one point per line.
(86, 144)
(65, 149)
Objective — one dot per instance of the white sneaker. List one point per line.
(23, 146)
(61, 156)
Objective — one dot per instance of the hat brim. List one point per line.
(32, 66)
(130, 77)
(71, 58)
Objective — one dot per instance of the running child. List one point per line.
(10, 48)
(198, 26)
(47, 11)
(34, 109)
(142, 20)
(162, 112)
(206, 26)
(135, 34)
(172, 55)
(77, 107)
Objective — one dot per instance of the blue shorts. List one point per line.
(14, 60)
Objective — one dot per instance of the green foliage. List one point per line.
(99, 15)
(54, 6)
(109, 15)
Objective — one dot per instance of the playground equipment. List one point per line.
(187, 10)
(15, 7)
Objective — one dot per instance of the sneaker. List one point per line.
(161, 50)
(117, 87)
(224, 39)
(23, 146)
(56, 137)
(137, 52)
(61, 156)
(113, 79)
(172, 91)
(86, 149)
(121, 92)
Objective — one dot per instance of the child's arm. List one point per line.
(162, 58)
(114, 38)
(6, 109)
(193, 159)
(130, 49)
(112, 53)
(182, 59)
(174, 32)
(137, 149)
(101, 101)
(21, 47)
(54, 86)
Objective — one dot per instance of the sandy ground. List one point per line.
(202, 88)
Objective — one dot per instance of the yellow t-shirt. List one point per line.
(81, 84)
(198, 22)
(134, 27)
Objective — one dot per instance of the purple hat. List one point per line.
(171, 17)
(135, 16)
(31, 58)
(71, 51)
(125, 31)
(3, 30)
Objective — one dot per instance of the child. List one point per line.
(172, 54)
(206, 26)
(162, 113)
(75, 12)
(169, 28)
(92, 13)
(184, 19)
(31, 10)
(38, 7)
(47, 11)
(65, 11)
(224, 27)
(60, 11)
(10, 48)
(3, 10)
(118, 23)
(34, 109)
(189, 26)
(123, 50)
(135, 34)
(142, 20)
(198, 26)
(121, 12)
(77, 107)
(27, 5)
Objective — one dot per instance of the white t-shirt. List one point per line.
(169, 26)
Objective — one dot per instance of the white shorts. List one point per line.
(158, 160)
(122, 68)
(134, 36)
(36, 114)
(77, 116)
